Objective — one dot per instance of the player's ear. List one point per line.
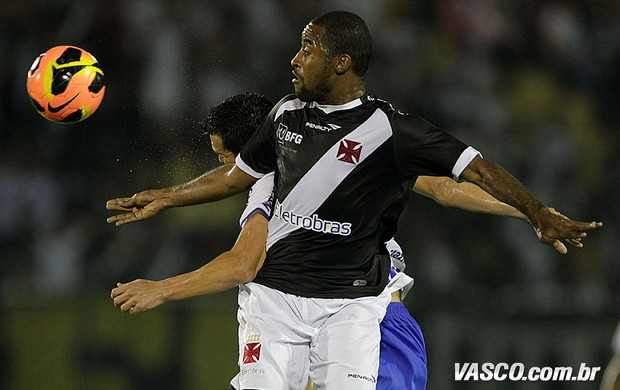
(343, 64)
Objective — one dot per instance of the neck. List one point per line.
(344, 95)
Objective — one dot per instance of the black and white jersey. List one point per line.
(339, 170)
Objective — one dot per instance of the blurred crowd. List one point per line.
(534, 85)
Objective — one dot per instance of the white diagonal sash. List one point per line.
(325, 176)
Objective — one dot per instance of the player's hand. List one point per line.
(555, 227)
(143, 205)
(137, 296)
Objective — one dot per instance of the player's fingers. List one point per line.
(552, 241)
(586, 226)
(113, 218)
(129, 218)
(121, 219)
(560, 247)
(595, 225)
(127, 305)
(118, 290)
(575, 242)
(571, 235)
(120, 204)
(120, 300)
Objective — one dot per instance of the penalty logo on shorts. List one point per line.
(251, 349)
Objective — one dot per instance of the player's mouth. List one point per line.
(296, 78)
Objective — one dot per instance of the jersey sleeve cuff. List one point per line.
(463, 161)
(246, 168)
(246, 215)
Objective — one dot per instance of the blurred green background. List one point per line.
(534, 85)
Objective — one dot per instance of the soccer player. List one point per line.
(340, 157)
(611, 375)
(230, 125)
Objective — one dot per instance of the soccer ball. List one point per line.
(65, 84)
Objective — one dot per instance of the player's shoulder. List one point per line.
(287, 103)
(400, 119)
(287, 98)
(383, 105)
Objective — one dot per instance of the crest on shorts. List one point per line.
(349, 151)
(251, 349)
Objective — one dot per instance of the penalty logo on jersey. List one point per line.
(251, 349)
(349, 151)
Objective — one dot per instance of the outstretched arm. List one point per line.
(611, 375)
(550, 226)
(236, 266)
(464, 195)
(212, 186)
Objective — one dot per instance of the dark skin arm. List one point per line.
(550, 226)
(218, 184)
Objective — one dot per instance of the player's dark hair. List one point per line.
(236, 119)
(347, 33)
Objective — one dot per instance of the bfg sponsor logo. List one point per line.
(285, 135)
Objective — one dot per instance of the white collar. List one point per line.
(329, 108)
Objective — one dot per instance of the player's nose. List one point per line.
(295, 61)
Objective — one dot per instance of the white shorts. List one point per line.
(284, 339)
